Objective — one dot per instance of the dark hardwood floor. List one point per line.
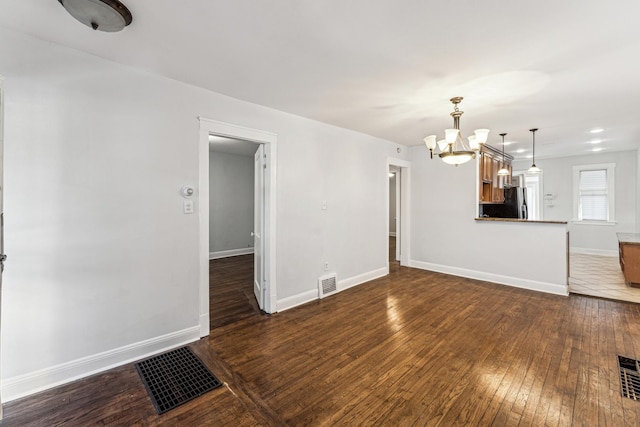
(231, 290)
(413, 348)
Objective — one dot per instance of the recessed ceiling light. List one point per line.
(595, 141)
(520, 150)
(528, 156)
(596, 130)
(597, 149)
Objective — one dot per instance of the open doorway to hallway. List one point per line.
(394, 217)
(398, 227)
(235, 219)
(265, 159)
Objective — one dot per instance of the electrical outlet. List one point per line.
(326, 266)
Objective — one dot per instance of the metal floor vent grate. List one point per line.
(175, 377)
(629, 377)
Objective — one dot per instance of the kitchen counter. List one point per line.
(525, 220)
(629, 238)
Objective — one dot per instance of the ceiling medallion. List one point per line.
(102, 15)
(453, 149)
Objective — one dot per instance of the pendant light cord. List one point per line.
(534, 145)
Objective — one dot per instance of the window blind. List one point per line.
(593, 193)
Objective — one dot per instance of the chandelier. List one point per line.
(453, 149)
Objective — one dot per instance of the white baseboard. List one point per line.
(392, 234)
(33, 382)
(230, 252)
(296, 300)
(587, 251)
(361, 278)
(308, 296)
(205, 325)
(534, 285)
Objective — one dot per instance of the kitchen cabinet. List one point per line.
(491, 189)
(629, 255)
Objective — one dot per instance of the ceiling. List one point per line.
(388, 67)
(238, 147)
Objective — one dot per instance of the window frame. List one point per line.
(611, 170)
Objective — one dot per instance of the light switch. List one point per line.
(324, 205)
(187, 206)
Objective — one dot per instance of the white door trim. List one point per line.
(1, 180)
(214, 127)
(259, 163)
(405, 202)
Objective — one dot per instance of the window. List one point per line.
(594, 193)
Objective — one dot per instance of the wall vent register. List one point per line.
(327, 285)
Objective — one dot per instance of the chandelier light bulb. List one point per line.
(473, 143)
(481, 135)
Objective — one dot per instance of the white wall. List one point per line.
(638, 192)
(230, 202)
(103, 264)
(446, 238)
(558, 180)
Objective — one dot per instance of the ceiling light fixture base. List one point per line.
(103, 15)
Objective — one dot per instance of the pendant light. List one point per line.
(503, 171)
(103, 15)
(534, 168)
(453, 149)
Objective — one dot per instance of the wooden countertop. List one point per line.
(629, 238)
(522, 220)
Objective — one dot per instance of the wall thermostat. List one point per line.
(187, 191)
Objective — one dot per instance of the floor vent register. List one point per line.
(175, 377)
(629, 377)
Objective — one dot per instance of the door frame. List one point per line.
(269, 140)
(1, 201)
(403, 232)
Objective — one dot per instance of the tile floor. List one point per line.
(599, 276)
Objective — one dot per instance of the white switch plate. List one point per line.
(326, 266)
(324, 205)
(187, 206)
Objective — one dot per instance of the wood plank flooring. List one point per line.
(413, 348)
(231, 290)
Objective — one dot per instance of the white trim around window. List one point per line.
(608, 190)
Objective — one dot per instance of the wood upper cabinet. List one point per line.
(485, 177)
(491, 189)
(486, 167)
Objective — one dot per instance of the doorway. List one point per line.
(397, 230)
(394, 217)
(236, 215)
(264, 142)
